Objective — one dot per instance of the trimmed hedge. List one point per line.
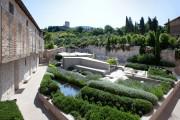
(149, 59)
(68, 78)
(155, 89)
(90, 111)
(137, 106)
(123, 90)
(58, 57)
(48, 86)
(10, 111)
(138, 66)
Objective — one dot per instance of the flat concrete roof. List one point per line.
(88, 58)
(74, 54)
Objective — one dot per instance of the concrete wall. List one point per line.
(88, 62)
(6, 80)
(12, 73)
(166, 109)
(51, 108)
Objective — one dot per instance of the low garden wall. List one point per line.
(166, 109)
(51, 108)
(50, 54)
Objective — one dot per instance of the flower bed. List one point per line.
(159, 90)
(123, 90)
(137, 106)
(83, 109)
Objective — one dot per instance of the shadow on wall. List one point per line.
(177, 68)
(39, 105)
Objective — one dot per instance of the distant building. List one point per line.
(174, 26)
(59, 28)
(67, 24)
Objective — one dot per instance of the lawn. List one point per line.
(9, 111)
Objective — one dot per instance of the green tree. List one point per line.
(79, 29)
(157, 50)
(108, 29)
(164, 40)
(98, 31)
(142, 26)
(150, 38)
(168, 26)
(155, 24)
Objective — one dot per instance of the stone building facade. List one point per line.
(21, 44)
(174, 26)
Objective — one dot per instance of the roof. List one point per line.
(23, 7)
(173, 20)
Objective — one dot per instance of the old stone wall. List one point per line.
(19, 37)
(50, 54)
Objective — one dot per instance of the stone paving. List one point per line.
(26, 98)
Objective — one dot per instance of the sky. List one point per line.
(98, 13)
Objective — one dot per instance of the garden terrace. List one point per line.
(82, 109)
(89, 98)
(136, 106)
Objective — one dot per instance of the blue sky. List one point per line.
(98, 13)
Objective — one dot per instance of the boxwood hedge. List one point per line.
(90, 111)
(138, 66)
(123, 90)
(70, 78)
(48, 86)
(137, 106)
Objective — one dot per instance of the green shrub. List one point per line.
(149, 59)
(161, 74)
(137, 106)
(69, 77)
(9, 111)
(143, 59)
(166, 63)
(138, 66)
(48, 86)
(123, 90)
(155, 89)
(112, 61)
(58, 57)
(90, 111)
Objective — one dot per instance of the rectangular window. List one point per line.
(11, 8)
(27, 23)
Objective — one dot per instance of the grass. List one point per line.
(9, 111)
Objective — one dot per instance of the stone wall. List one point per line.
(50, 54)
(19, 36)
